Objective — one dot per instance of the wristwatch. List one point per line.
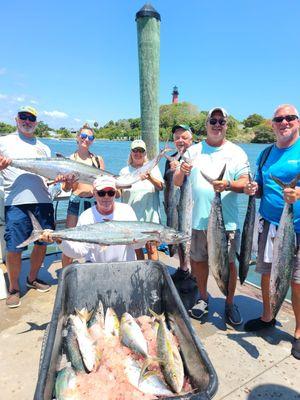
(228, 186)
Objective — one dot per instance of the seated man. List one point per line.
(106, 208)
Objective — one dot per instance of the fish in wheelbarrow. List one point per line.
(111, 233)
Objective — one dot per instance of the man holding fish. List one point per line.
(280, 170)
(215, 240)
(106, 209)
(23, 192)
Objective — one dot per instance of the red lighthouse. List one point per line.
(175, 94)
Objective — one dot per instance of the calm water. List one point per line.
(115, 156)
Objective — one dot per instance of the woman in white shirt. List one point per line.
(143, 196)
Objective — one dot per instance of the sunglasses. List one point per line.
(288, 118)
(102, 193)
(90, 137)
(138, 150)
(214, 121)
(24, 117)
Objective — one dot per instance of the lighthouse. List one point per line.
(175, 94)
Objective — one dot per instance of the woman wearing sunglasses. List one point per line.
(82, 193)
(143, 196)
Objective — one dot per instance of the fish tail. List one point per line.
(159, 317)
(291, 184)
(36, 232)
(144, 374)
(219, 178)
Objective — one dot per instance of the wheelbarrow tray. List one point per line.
(132, 287)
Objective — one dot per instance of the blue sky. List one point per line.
(77, 61)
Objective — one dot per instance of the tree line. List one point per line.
(253, 129)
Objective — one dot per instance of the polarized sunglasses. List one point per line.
(90, 137)
(288, 118)
(214, 121)
(138, 150)
(24, 117)
(102, 193)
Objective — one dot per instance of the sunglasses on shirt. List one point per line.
(90, 137)
(24, 117)
(288, 118)
(102, 193)
(214, 121)
(137, 150)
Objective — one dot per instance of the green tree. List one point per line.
(42, 129)
(253, 120)
(263, 133)
(6, 128)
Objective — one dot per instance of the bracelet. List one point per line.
(228, 186)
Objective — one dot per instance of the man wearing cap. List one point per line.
(24, 192)
(210, 156)
(282, 162)
(105, 209)
(183, 139)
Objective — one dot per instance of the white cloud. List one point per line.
(33, 102)
(55, 114)
(20, 99)
(3, 96)
(2, 71)
(77, 119)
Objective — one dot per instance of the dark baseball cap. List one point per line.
(185, 127)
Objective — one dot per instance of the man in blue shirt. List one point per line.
(282, 162)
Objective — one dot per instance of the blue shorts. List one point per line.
(18, 224)
(79, 204)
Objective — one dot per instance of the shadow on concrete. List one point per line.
(273, 392)
(34, 327)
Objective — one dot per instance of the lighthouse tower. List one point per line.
(175, 94)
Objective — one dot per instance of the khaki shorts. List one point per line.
(264, 267)
(199, 245)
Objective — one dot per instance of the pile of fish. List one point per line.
(111, 233)
(104, 357)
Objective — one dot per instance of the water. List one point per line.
(115, 155)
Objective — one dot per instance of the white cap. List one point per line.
(138, 144)
(104, 181)
(220, 109)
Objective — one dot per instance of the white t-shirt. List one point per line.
(142, 196)
(21, 187)
(97, 253)
(211, 160)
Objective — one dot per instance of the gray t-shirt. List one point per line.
(21, 187)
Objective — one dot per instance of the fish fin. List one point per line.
(59, 155)
(84, 314)
(36, 232)
(237, 256)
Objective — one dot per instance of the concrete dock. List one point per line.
(248, 366)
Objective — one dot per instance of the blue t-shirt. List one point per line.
(285, 165)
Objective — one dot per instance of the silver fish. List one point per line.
(111, 232)
(283, 253)
(171, 201)
(111, 322)
(70, 345)
(217, 244)
(185, 208)
(86, 346)
(247, 239)
(167, 352)
(132, 335)
(65, 385)
(151, 384)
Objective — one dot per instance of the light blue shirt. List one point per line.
(285, 165)
(211, 161)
